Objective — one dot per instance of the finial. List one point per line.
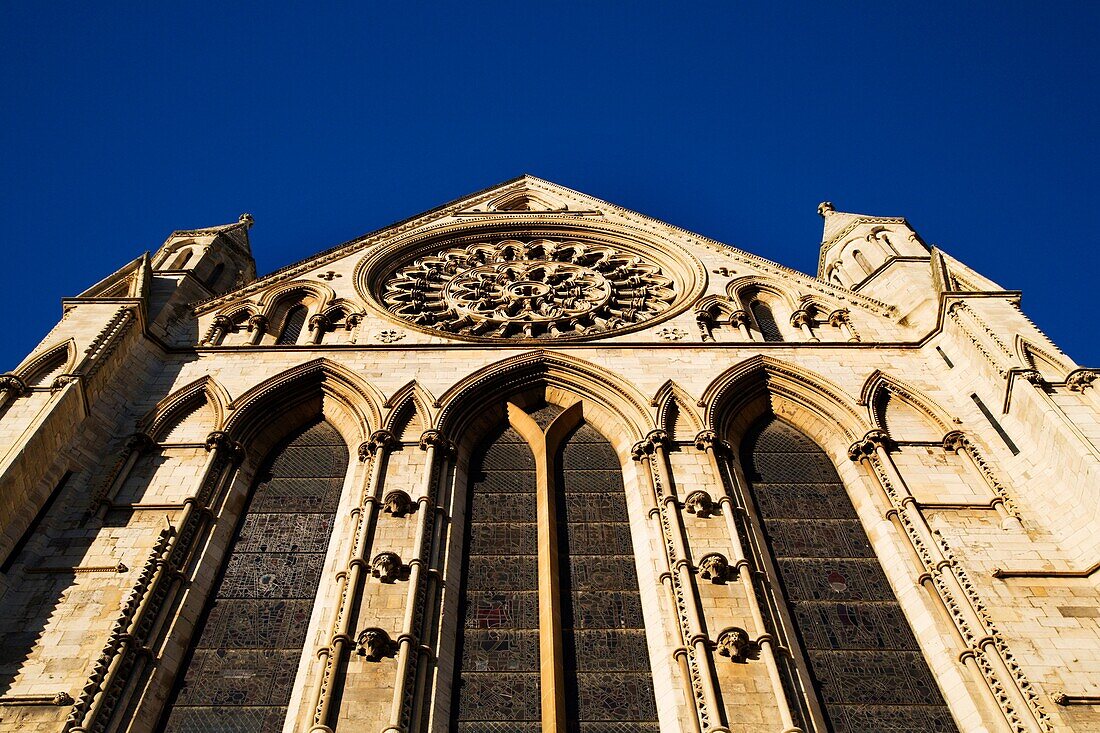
(246, 219)
(825, 208)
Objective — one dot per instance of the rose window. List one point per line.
(523, 290)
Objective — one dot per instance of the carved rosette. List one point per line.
(537, 289)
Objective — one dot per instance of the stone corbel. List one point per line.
(59, 383)
(735, 643)
(375, 644)
(714, 567)
(1080, 380)
(221, 442)
(398, 503)
(387, 567)
(11, 387)
(700, 504)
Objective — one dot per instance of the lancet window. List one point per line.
(552, 634)
(292, 325)
(859, 649)
(765, 321)
(245, 651)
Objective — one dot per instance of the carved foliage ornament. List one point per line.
(529, 290)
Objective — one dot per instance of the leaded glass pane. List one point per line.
(498, 647)
(609, 687)
(765, 321)
(861, 652)
(239, 674)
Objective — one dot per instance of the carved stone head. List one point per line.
(386, 566)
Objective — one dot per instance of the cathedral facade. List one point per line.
(534, 462)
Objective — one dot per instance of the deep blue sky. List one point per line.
(119, 124)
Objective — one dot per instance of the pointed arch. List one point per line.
(51, 362)
(762, 383)
(740, 290)
(880, 389)
(1053, 368)
(715, 307)
(171, 411)
(410, 412)
(675, 414)
(277, 295)
(465, 400)
(312, 387)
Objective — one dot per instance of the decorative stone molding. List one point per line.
(714, 567)
(319, 322)
(700, 504)
(672, 334)
(866, 447)
(379, 440)
(247, 219)
(221, 442)
(435, 439)
(389, 336)
(535, 289)
(398, 503)
(735, 643)
(387, 567)
(825, 208)
(375, 644)
(64, 569)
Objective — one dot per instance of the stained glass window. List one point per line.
(608, 685)
(498, 651)
(241, 667)
(864, 659)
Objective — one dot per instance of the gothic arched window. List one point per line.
(765, 321)
(215, 275)
(292, 325)
(511, 644)
(245, 652)
(863, 262)
(864, 660)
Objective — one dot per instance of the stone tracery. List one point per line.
(540, 288)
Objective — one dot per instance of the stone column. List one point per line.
(221, 326)
(257, 327)
(136, 445)
(318, 324)
(741, 320)
(708, 442)
(800, 319)
(643, 453)
(374, 453)
(842, 319)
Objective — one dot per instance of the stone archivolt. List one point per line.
(535, 289)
